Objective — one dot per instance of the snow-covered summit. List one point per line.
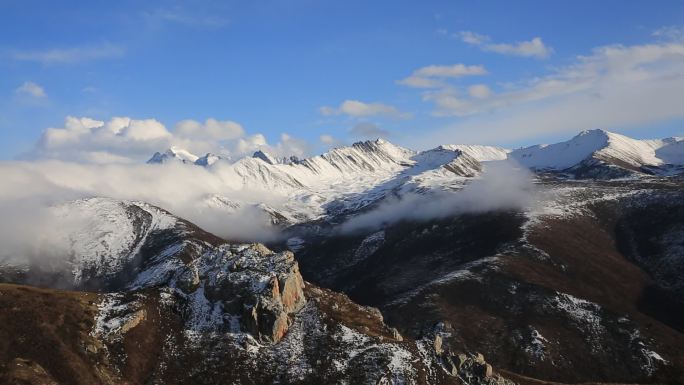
(368, 156)
(208, 159)
(479, 152)
(271, 159)
(604, 146)
(378, 165)
(173, 154)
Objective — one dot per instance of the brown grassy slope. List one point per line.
(50, 329)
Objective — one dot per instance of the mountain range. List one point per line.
(462, 264)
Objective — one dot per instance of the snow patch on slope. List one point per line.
(107, 234)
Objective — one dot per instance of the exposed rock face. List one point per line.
(134, 321)
(267, 287)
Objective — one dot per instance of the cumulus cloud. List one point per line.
(84, 138)
(126, 140)
(31, 89)
(433, 76)
(356, 109)
(532, 48)
(366, 130)
(503, 185)
(69, 55)
(614, 86)
(210, 129)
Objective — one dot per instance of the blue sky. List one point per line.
(495, 72)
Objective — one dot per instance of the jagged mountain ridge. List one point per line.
(601, 145)
(347, 179)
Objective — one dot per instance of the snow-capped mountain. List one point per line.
(270, 159)
(478, 152)
(378, 159)
(604, 147)
(345, 179)
(173, 154)
(209, 159)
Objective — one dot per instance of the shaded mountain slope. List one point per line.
(584, 294)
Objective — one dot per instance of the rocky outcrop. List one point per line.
(261, 288)
(134, 321)
(470, 368)
(268, 318)
(269, 287)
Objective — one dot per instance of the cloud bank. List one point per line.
(30, 188)
(503, 185)
(127, 140)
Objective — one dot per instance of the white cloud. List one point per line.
(356, 109)
(431, 76)
(126, 140)
(479, 91)
(211, 129)
(672, 32)
(31, 89)
(69, 55)
(290, 145)
(532, 48)
(85, 139)
(473, 38)
(31, 187)
(367, 130)
(144, 130)
(450, 71)
(420, 82)
(502, 185)
(327, 139)
(205, 15)
(330, 141)
(614, 87)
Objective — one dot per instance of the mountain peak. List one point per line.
(173, 153)
(208, 159)
(596, 134)
(270, 159)
(266, 157)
